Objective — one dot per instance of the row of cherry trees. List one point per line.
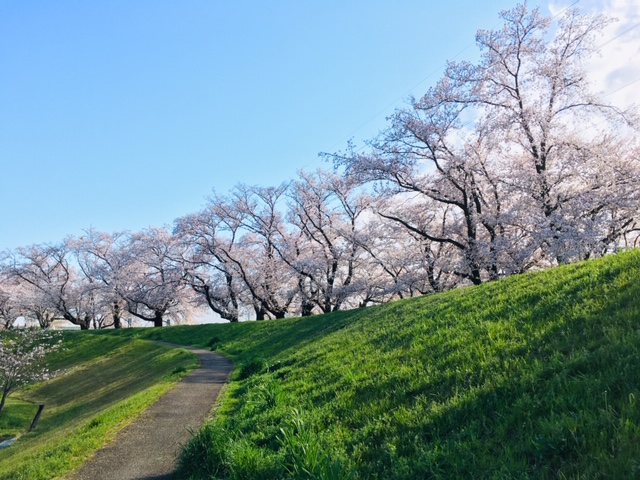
(310, 246)
(504, 166)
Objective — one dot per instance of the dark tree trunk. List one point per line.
(117, 315)
(85, 323)
(4, 397)
(475, 276)
(433, 281)
(306, 309)
(261, 312)
(211, 301)
(157, 320)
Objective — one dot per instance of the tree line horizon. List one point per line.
(506, 165)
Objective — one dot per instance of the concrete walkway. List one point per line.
(147, 448)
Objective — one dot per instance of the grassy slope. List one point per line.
(15, 415)
(535, 376)
(108, 382)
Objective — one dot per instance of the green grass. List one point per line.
(534, 376)
(107, 382)
(16, 417)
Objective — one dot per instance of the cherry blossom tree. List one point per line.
(234, 241)
(53, 287)
(440, 190)
(210, 243)
(535, 94)
(10, 308)
(101, 258)
(19, 298)
(401, 263)
(327, 212)
(511, 162)
(22, 355)
(153, 285)
(270, 283)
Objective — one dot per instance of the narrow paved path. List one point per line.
(147, 448)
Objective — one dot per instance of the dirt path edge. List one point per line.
(148, 447)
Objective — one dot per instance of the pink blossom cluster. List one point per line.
(22, 355)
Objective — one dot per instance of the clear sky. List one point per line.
(123, 114)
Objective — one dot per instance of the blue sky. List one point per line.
(119, 115)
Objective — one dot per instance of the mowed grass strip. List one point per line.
(534, 376)
(107, 382)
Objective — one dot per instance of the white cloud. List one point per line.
(614, 72)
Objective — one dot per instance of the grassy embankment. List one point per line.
(535, 376)
(15, 416)
(108, 381)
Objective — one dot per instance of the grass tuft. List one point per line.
(252, 367)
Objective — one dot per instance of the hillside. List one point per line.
(534, 376)
(103, 384)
